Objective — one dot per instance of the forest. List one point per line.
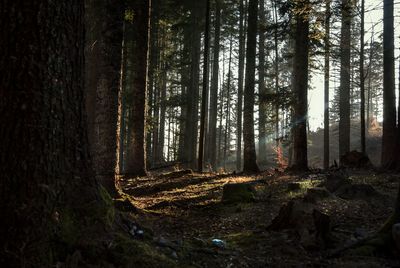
(199, 133)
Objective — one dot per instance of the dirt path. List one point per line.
(185, 213)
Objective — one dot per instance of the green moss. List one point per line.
(242, 239)
(107, 211)
(132, 253)
(68, 230)
(236, 193)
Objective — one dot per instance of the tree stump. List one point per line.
(311, 225)
(355, 159)
(238, 193)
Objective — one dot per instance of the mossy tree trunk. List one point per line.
(44, 158)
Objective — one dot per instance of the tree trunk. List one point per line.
(300, 87)
(326, 84)
(263, 105)
(192, 95)
(362, 81)
(276, 69)
(103, 75)
(205, 88)
(344, 91)
(136, 163)
(389, 96)
(242, 40)
(214, 88)
(44, 158)
(250, 159)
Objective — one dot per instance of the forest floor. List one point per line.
(183, 212)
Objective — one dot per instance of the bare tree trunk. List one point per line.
(242, 40)
(326, 84)
(214, 88)
(344, 103)
(250, 159)
(136, 162)
(228, 104)
(262, 118)
(362, 80)
(205, 88)
(44, 158)
(276, 68)
(103, 76)
(192, 96)
(389, 96)
(300, 77)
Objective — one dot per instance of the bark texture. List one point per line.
(136, 161)
(46, 174)
(344, 91)
(249, 157)
(103, 49)
(300, 87)
(389, 96)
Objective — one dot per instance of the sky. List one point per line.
(373, 15)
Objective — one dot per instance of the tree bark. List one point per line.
(44, 157)
(205, 88)
(389, 96)
(300, 79)
(214, 88)
(250, 159)
(344, 91)
(362, 81)
(192, 94)
(103, 75)
(242, 40)
(326, 84)
(136, 162)
(263, 105)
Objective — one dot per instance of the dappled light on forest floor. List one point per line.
(185, 214)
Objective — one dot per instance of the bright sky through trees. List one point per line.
(373, 19)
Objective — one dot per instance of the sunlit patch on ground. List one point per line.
(188, 210)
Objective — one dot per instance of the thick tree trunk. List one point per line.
(44, 158)
(214, 88)
(344, 91)
(300, 87)
(242, 40)
(136, 162)
(263, 105)
(250, 159)
(389, 97)
(192, 95)
(103, 75)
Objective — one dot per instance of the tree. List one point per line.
(136, 161)
(46, 175)
(249, 156)
(214, 88)
(262, 136)
(205, 88)
(103, 49)
(362, 81)
(192, 94)
(300, 85)
(326, 84)
(389, 97)
(344, 103)
(242, 39)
